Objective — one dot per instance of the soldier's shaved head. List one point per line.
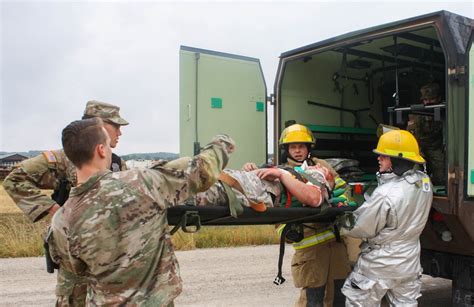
(80, 139)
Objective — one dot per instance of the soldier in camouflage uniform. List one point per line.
(113, 229)
(52, 170)
(429, 134)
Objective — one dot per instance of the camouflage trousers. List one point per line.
(71, 290)
(255, 189)
(435, 165)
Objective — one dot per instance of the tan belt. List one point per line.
(231, 181)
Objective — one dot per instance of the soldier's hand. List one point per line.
(249, 166)
(227, 141)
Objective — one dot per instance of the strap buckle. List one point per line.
(189, 218)
(279, 280)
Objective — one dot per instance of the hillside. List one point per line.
(133, 156)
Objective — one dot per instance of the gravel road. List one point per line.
(212, 277)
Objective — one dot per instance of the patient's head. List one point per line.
(321, 174)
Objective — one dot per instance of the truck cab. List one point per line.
(344, 87)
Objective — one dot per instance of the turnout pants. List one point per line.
(363, 291)
(320, 271)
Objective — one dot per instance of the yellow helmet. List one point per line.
(399, 144)
(297, 134)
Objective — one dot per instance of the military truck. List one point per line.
(342, 88)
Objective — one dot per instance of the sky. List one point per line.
(57, 55)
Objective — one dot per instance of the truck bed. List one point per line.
(220, 216)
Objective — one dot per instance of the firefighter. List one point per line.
(320, 263)
(390, 223)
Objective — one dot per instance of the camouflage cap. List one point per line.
(429, 91)
(108, 112)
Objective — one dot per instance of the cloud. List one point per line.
(57, 55)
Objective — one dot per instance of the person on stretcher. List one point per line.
(262, 188)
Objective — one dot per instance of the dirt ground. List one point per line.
(212, 277)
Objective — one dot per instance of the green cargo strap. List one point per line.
(338, 192)
(189, 218)
(235, 206)
(336, 200)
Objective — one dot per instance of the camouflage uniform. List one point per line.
(113, 229)
(256, 190)
(44, 171)
(429, 134)
(320, 263)
(47, 171)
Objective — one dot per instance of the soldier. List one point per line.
(52, 170)
(390, 223)
(320, 263)
(429, 134)
(113, 229)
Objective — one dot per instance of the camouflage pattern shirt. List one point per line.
(44, 171)
(113, 230)
(255, 190)
(427, 131)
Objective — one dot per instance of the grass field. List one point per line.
(6, 203)
(21, 238)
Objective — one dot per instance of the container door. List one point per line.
(222, 93)
(470, 157)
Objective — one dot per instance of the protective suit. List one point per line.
(390, 223)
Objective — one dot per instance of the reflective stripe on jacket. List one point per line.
(319, 237)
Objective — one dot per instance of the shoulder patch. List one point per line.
(50, 157)
(426, 184)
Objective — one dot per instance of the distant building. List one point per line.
(11, 160)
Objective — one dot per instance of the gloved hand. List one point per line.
(345, 220)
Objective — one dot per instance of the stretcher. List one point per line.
(187, 215)
(190, 219)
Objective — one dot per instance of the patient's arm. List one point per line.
(305, 193)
